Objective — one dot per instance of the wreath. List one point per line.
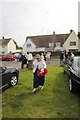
(42, 72)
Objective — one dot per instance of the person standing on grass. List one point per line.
(61, 58)
(29, 58)
(39, 71)
(48, 56)
(24, 60)
(42, 56)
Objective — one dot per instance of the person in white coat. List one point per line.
(29, 58)
(38, 64)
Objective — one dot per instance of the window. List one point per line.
(72, 43)
(58, 44)
(51, 44)
(28, 45)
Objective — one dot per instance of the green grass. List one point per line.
(54, 101)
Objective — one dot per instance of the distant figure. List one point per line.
(45, 57)
(29, 58)
(48, 56)
(61, 58)
(24, 60)
(70, 56)
(42, 56)
(66, 57)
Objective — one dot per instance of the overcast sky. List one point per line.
(22, 18)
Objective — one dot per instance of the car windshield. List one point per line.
(16, 54)
(76, 63)
(1, 69)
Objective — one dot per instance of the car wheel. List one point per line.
(14, 80)
(72, 86)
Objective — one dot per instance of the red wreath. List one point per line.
(42, 72)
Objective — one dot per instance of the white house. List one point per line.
(72, 43)
(7, 45)
(29, 46)
(54, 42)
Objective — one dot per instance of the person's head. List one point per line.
(38, 57)
(41, 53)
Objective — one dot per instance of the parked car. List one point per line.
(8, 57)
(72, 70)
(8, 77)
(18, 55)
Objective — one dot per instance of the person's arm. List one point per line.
(34, 65)
(44, 63)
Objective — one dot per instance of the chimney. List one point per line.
(53, 32)
(3, 37)
(71, 31)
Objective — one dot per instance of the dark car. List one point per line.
(72, 69)
(8, 77)
(8, 57)
(18, 55)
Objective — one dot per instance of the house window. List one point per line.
(72, 43)
(58, 44)
(28, 45)
(51, 44)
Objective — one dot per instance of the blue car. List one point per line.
(18, 56)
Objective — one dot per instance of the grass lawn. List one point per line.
(54, 101)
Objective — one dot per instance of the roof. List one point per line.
(44, 40)
(4, 41)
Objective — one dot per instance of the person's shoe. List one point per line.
(34, 91)
(42, 87)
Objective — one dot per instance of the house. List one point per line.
(54, 42)
(72, 43)
(7, 45)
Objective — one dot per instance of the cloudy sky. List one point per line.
(22, 18)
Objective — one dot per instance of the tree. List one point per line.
(17, 47)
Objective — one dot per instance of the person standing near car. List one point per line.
(23, 59)
(39, 66)
(48, 56)
(29, 58)
(61, 58)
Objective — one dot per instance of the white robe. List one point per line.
(40, 65)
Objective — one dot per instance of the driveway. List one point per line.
(10, 64)
(18, 64)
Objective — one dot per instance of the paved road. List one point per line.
(10, 64)
(18, 64)
(55, 62)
